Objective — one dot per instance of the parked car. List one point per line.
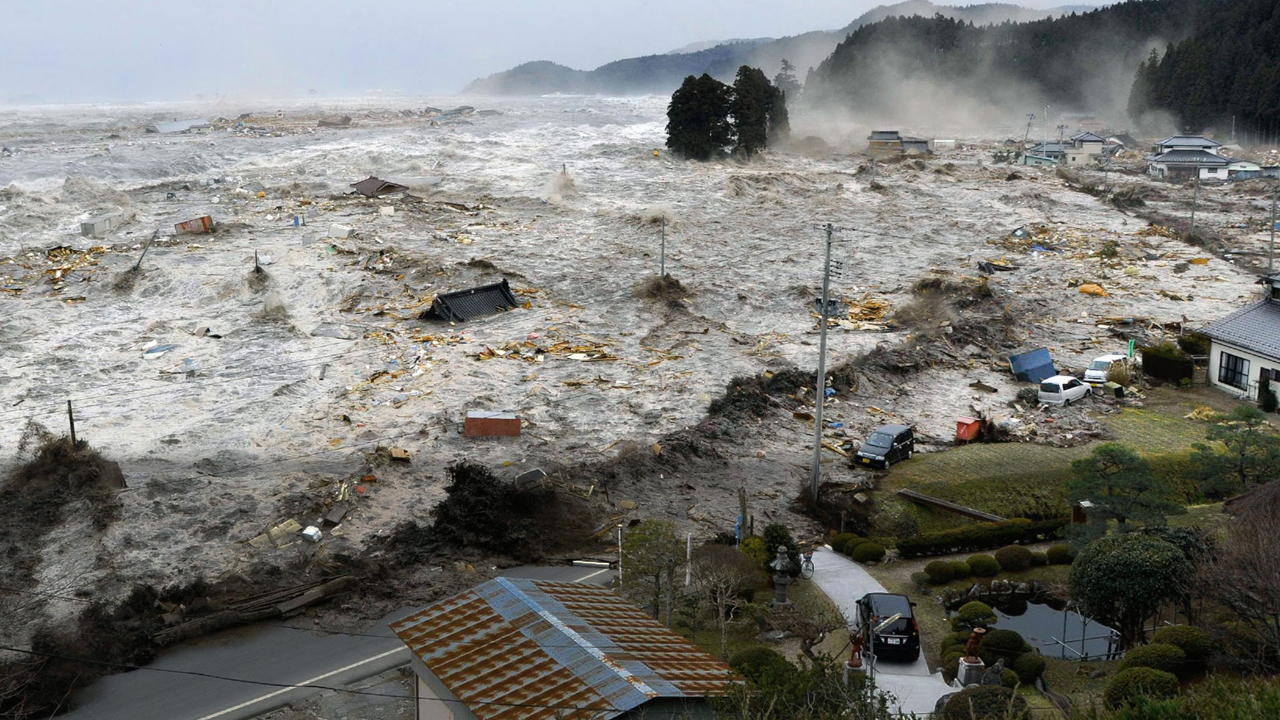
(1096, 374)
(1061, 390)
(887, 444)
(900, 639)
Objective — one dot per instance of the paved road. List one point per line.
(266, 654)
(844, 581)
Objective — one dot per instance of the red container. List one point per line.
(199, 226)
(491, 424)
(967, 428)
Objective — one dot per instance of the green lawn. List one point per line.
(1027, 479)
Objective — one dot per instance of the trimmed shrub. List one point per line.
(981, 536)
(1009, 678)
(1029, 666)
(986, 702)
(956, 640)
(951, 663)
(776, 534)
(852, 544)
(1139, 682)
(1013, 558)
(1039, 559)
(984, 566)
(940, 572)
(973, 614)
(1060, 555)
(868, 552)
(1166, 658)
(960, 570)
(1194, 642)
(753, 547)
(839, 541)
(921, 580)
(997, 644)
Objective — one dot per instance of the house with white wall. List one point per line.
(1183, 157)
(1244, 351)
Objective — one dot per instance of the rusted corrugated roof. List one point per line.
(528, 650)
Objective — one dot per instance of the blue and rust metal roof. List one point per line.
(522, 649)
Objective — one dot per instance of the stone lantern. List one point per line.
(781, 566)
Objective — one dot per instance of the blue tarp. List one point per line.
(1032, 366)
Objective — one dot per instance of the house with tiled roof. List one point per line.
(1245, 345)
(517, 649)
(1183, 157)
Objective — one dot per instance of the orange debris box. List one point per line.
(198, 226)
(967, 428)
(483, 423)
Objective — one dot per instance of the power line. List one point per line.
(290, 686)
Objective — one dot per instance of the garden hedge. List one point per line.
(868, 552)
(982, 536)
(984, 566)
(960, 570)
(986, 702)
(1139, 682)
(940, 572)
(1013, 558)
(1060, 554)
(1195, 643)
(1158, 656)
(1029, 666)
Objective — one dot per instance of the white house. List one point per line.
(1187, 142)
(1245, 347)
(1185, 164)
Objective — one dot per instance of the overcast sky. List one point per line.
(134, 50)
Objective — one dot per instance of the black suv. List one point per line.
(887, 444)
(900, 640)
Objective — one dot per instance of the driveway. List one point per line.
(844, 581)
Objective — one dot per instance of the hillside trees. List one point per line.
(706, 116)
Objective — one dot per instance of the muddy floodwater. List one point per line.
(235, 399)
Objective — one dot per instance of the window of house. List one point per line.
(1233, 370)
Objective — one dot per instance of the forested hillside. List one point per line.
(663, 73)
(1230, 66)
(1082, 62)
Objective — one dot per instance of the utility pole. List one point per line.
(1046, 127)
(1061, 131)
(815, 471)
(1031, 118)
(1195, 200)
(662, 262)
(1271, 252)
(71, 418)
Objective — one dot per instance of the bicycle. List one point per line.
(806, 565)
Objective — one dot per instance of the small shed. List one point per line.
(377, 187)
(884, 142)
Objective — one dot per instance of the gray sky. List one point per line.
(131, 50)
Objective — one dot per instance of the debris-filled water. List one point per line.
(240, 376)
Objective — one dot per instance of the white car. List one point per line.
(1061, 390)
(1096, 375)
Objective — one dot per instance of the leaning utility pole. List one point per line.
(1195, 200)
(815, 471)
(662, 262)
(1031, 118)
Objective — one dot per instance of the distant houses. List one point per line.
(1082, 149)
(892, 142)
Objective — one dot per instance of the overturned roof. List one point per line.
(517, 648)
(1190, 157)
(1255, 328)
(377, 187)
(473, 303)
(178, 126)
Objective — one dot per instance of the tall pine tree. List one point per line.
(753, 97)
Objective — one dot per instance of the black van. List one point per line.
(897, 640)
(887, 444)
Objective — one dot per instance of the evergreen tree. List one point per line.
(753, 97)
(779, 121)
(1121, 487)
(786, 81)
(697, 118)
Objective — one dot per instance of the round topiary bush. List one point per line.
(1013, 558)
(1029, 666)
(868, 552)
(1196, 644)
(852, 544)
(956, 640)
(1009, 678)
(986, 702)
(1139, 682)
(1039, 559)
(1006, 644)
(839, 541)
(960, 570)
(951, 663)
(973, 615)
(1168, 658)
(940, 572)
(1060, 555)
(984, 566)
(921, 580)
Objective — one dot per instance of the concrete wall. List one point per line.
(1256, 364)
